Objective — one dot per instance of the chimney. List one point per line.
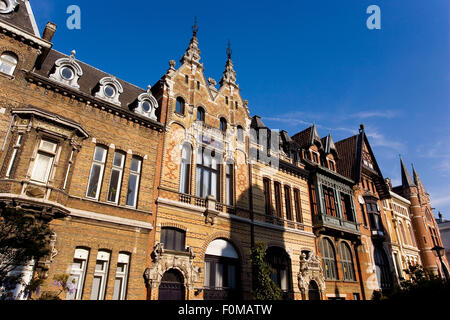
(49, 31)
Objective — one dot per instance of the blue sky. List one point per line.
(297, 62)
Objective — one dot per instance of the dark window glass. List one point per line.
(328, 259)
(347, 210)
(329, 201)
(229, 184)
(382, 269)
(267, 196)
(198, 85)
(287, 200)
(278, 200)
(347, 263)
(94, 180)
(186, 79)
(313, 197)
(280, 263)
(200, 114)
(298, 206)
(173, 239)
(223, 124)
(185, 173)
(180, 106)
(315, 158)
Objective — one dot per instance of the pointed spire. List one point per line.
(192, 54)
(415, 175)
(229, 75)
(407, 181)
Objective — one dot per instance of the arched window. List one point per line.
(180, 106)
(185, 173)
(221, 271)
(347, 263)
(240, 134)
(223, 124)
(173, 239)
(280, 263)
(201, 114)
(328, 259)
(413, 239)
(8, 63)
(382, 269)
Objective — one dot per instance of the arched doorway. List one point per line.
(313, 291)
(172, 286)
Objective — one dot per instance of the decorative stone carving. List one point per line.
(211, 213)
(8, 6)
(67, 71)
(311, 269)
(166, 260)
(43, 265)
(147, 105)
(110, 90)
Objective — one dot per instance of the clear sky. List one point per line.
(297, 62)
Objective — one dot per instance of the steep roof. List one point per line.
(21, 16)
(407, 181)
(347, 161)
(91, 78)
(308, 137)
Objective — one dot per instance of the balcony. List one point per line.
(336, 223)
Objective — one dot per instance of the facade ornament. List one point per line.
(67, 71)
(229, 75)
(8, 6)
(147, 105)
(311, 270)
(192, 54)
(110, 90)
(164, 261)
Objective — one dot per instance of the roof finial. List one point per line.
(195, 27)
(229, 51)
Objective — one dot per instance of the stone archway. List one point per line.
(172, 286)
(311, 272)
(313, 291)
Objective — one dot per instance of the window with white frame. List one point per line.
(100, 275)
(185, 172)
(97, 169)
(78, 273)
(14, 155)
(133, 181)
(116, 177)
(207, 175)
(8, 63)
(121, 281)
(44, 161)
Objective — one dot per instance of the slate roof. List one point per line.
(21, 18)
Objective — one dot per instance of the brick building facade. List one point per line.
(160, 193)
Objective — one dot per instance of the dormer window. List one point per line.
(8, 6)
(110, 90)
(332, 167)
(8, 63)
(67, 71)
(147, 105)
(315, 158)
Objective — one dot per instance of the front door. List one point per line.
(172, 286)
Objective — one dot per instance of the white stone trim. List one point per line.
(32, 18)
(86, 214)
(394, 195)
(25, 35)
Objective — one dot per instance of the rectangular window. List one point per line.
(120, 283)
(347, 211)
(313, 197)
(133, 182)
(363, 212)
(207, 175)
(97, 169)
(229, 184)
(278, 200)
(14, 155)
(116, 177)
(287, 200)
(78, 273)
(44, 161)
(329, 200)
(298, 206)
(100, 276)
(185, 172)
(332, 167)
(267, 196)
(315, 158)
(173, 239)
